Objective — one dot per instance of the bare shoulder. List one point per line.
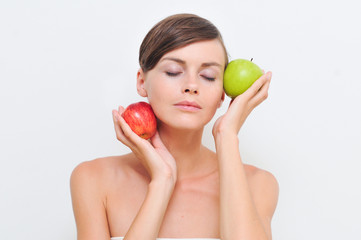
(91, 184)
(101, 172)
(97, 167)
(264, 187)
(260, 176)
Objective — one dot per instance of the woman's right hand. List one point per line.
(153, 154)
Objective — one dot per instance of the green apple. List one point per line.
(239, 75)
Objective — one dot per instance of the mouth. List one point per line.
(188, 106)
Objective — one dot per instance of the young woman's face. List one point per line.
(192, 74)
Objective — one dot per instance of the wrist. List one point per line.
(164, 184)
(225, 138)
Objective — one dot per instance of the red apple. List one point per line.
(141, 119)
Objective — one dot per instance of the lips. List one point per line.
(188, 106)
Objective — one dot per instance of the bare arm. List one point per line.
(89, 193)
(161, 167)
(246, 207)
(244, 214)
(88, 203)
(147, 223)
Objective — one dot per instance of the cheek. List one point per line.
(156, 89)
(159, 93)
(214, 94)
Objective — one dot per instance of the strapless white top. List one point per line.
(121, 238)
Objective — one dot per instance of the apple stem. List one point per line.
(251, 59)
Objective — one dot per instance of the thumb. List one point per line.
(157, 141)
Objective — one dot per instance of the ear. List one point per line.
(141, 83)
(221, 101)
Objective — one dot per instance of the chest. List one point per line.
(193, 210)
(192, 213)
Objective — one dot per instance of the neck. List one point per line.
(187, 149)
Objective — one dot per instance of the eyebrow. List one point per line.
(207, 64)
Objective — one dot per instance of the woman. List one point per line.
(172, 186)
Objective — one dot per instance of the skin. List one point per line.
(172, 185)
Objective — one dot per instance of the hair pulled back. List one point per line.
(174, 32)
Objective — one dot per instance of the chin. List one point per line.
(185, 123)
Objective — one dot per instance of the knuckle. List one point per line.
(127, 133)
(130, 135)
(265, 96)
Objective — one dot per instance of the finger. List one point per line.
(257, 85)
(157, 141)
(257, 93)
(269, 73)
(125, 129)
(124, 132)
(131, 136)
(120, 110)
(118, 130)
(128, 137)
(261, 95)
(231, 101)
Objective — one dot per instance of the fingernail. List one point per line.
(269, 74)
(115, 114)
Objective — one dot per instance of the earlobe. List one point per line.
(140, 83)
(221, 101)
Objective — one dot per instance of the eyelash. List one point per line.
(209, 78)
(171, 74)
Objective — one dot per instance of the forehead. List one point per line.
(199, 52)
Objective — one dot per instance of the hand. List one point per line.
(155, 157)
(241, 106)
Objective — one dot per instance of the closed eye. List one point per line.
(172, 74)
(209, 78)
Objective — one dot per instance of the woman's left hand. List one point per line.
(241, 106)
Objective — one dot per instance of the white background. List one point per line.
(64, 65)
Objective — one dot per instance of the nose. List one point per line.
(191, 85)
(191, 91)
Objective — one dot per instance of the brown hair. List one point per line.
(174, 32)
